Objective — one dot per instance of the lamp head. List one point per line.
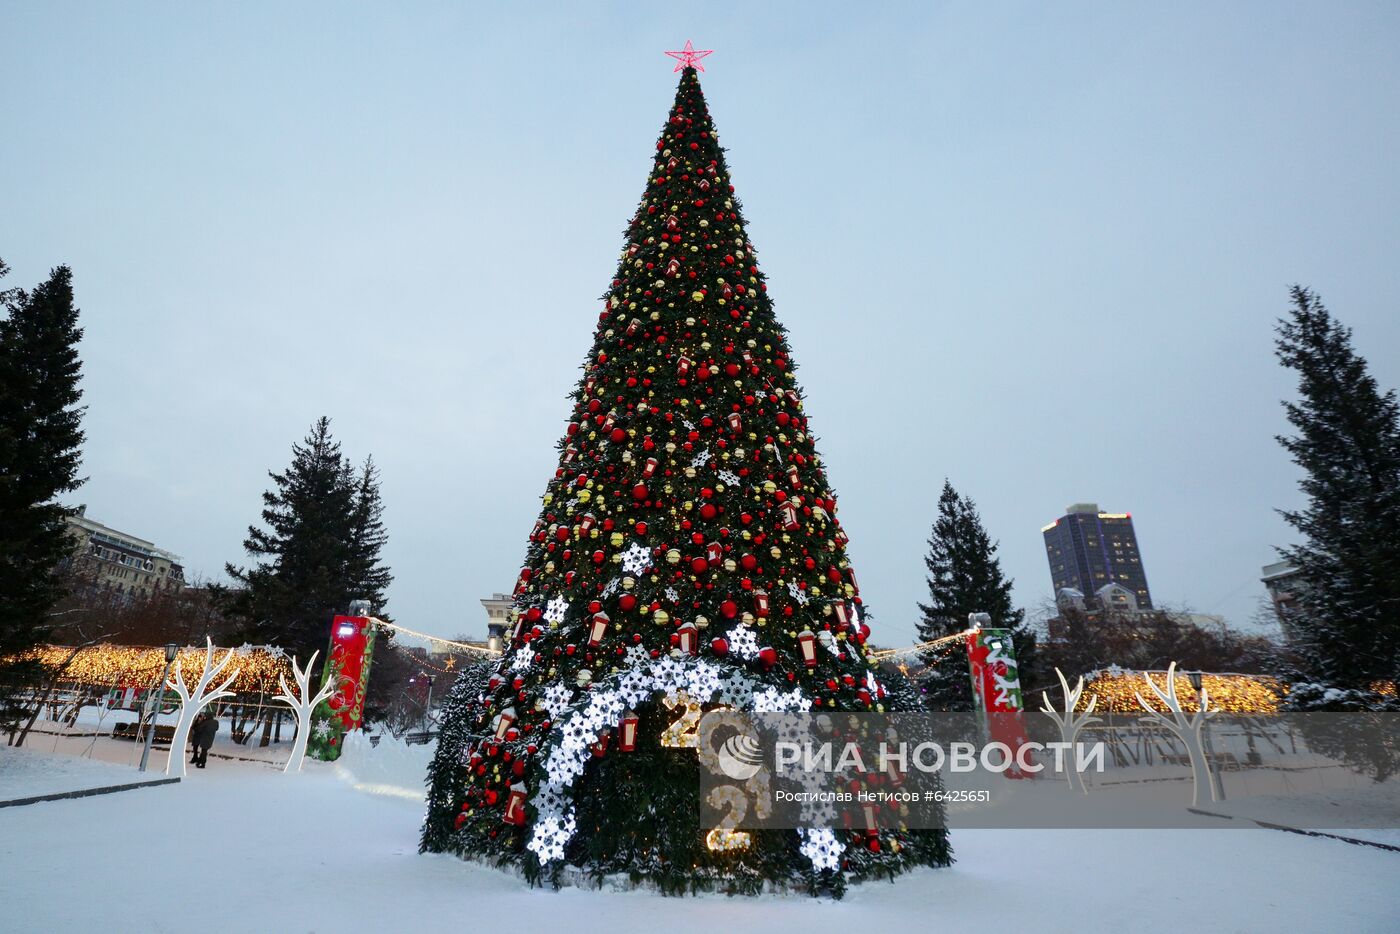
(170, 650)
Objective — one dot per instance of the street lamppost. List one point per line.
(153, 703)
(1197, 679)
(428, 707)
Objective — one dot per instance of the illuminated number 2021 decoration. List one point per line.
(681, 733)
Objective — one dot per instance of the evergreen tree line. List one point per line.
(322, 535)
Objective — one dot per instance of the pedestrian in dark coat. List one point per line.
(202, 735)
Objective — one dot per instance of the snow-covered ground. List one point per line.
(26, 773)
(242, 847)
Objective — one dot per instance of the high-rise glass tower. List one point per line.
(1090, 550)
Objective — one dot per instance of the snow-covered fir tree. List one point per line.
(1347, 441)
(964, 577)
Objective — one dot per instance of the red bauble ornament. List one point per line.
(720, 646)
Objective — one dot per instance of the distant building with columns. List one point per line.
(497, 607)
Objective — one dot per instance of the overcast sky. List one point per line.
(1035, 248)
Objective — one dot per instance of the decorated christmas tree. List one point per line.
(688, 555)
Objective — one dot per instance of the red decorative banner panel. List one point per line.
(996, 685)
(352, 647)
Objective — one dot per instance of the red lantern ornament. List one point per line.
(515, 805)
(598, 628)
(736, 421)
(790, 516)
(504, 719)
(715, 552)
(807, 641)
(793, 479)
(843, 613)
(683, 366)
(600, 745)
(649, 468)
(760, 603)
(689, 639)
(627, 732)
(585, 524)
(633, 326)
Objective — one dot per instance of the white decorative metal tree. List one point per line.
(1187, 729)
(1069, 724)
(191, 703)
(302, 705)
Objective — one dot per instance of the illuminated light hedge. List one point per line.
(139, 666)
(1231, 693)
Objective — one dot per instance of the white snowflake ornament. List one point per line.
(636, 558)
(523, 659)
(743, 642)
(554, 610)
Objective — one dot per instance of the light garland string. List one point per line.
(464, 646)
(880, 655)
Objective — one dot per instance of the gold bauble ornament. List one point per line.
(697, 296)
(673, 556)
